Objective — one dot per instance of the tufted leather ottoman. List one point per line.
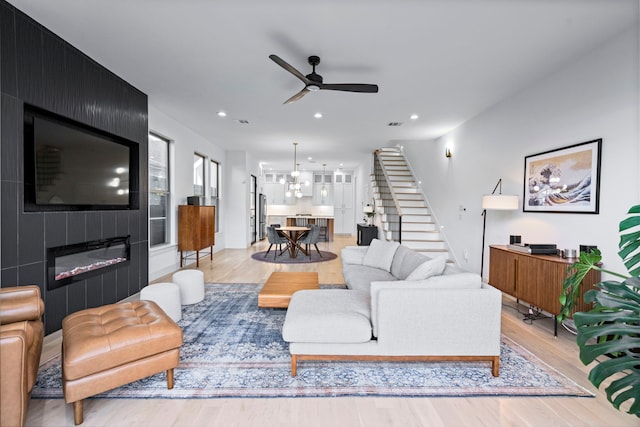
(109, 346)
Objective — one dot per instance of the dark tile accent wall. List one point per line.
(39, 68)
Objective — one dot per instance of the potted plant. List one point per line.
(370, 211)
(611, 329)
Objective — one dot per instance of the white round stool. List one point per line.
(167, 296)
(191, 284)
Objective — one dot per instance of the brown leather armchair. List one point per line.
(21, 335)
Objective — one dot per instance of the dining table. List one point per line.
(293, 234)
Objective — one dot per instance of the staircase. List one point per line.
(401, 206)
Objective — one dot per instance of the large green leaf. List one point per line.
(630, 241)
(625, 388)
(631, 383)
(610, 333)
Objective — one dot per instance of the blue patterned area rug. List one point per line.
(233, 349)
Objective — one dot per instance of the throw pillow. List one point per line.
(380, 254)
(433, 267)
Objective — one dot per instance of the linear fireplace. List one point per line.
(70, 263)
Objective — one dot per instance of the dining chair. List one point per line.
(311, 239)
(275, 239)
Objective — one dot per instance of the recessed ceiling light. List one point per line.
(309, 158)
(222, 114)
(318, 115)
(414, 117)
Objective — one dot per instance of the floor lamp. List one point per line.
(495, 201)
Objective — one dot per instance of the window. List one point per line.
(198, 175)
(214, 181)
(159, 195)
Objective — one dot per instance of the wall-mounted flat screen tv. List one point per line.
(71, 166)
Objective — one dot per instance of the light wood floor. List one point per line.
(236, 266)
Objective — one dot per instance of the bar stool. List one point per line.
(322, 223)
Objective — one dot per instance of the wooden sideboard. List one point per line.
(196, 230)
(535, 279)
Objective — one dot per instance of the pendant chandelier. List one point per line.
(295, 172)
(323, 191)
(294, 187)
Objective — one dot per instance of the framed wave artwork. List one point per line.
(563, 180)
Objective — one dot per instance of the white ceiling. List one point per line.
(446, 61)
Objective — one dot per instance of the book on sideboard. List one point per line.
(534, 248)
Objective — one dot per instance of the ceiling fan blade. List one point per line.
(281, 62)
(351, 87)
(297, 96)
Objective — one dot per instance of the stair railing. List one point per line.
(379, 166)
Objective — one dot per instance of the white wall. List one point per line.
(165, 259)
(595, 96)
(240, 166)
(238, 182)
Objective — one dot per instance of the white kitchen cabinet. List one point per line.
(274, 189)
(343, 203)
(274, 193)
(320, 181)
(305, 178)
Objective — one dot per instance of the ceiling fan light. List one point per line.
(313, 88)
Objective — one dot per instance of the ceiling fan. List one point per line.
(313, 82)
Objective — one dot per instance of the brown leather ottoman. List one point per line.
(109, 346)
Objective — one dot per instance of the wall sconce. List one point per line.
(447, 152)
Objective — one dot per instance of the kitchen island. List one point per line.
(302, 220)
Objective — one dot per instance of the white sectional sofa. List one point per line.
(399, 305)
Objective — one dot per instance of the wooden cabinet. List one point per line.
(196, 230)
(535, 279)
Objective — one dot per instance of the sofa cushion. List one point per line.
(380, 254)
(359, 277)
(450, 268)
(328, 316)
(460, 281)
(433, 267)
(353, 254)
(405, 261)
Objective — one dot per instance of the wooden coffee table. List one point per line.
(277, 291)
